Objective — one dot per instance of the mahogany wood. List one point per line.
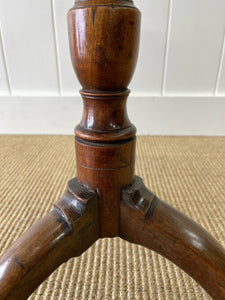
(67, 231)
(104, 42)
(106, 200)
(148, 221)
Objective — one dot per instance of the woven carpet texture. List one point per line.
(187, 172)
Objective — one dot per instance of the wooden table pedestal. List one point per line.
(106, 199)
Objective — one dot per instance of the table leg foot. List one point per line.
(67, 231)
(150, 222)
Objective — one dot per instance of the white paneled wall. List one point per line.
(149, 74)
(178, 87)
(68, 82)
(29, 41)
(195, 37)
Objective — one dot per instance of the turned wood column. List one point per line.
(104, 42)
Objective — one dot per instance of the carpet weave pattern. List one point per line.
(187, 172)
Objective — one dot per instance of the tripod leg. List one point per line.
(150, 222)
(65, 232)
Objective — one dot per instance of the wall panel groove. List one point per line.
(181, 59)
(29, 44)
(69, 82)
(170, 11)
(149, 73)
(5, 84)
(56, 47)
(220, 83)
(197, 31)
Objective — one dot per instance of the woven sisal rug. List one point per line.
(189, 173)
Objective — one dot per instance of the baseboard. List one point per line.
(151, 115)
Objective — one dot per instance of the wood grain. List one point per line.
(65, 232)
(150, 222)
(104, 42)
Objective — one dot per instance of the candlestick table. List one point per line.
(106, 199)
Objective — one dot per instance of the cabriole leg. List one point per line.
(150, 222)
(67, 231)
